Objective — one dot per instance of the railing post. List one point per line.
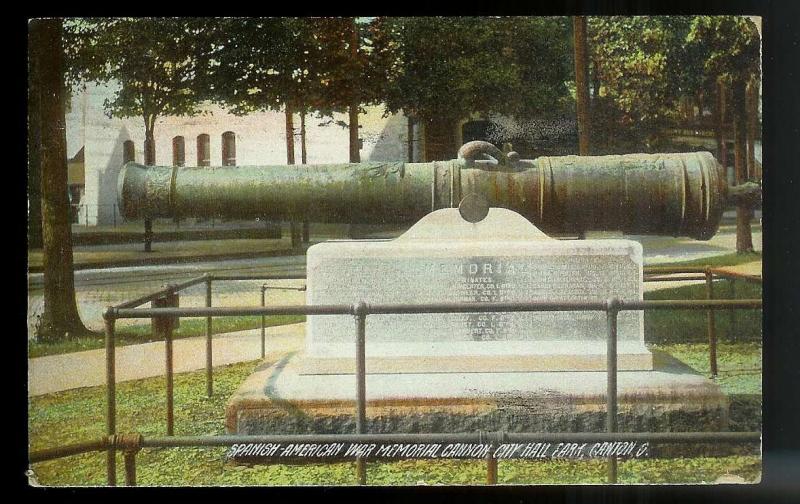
(263, 321)
(491, 467)
(360, 313)
(163, 326)
(148, 235)
(109, 321)
(732, 313)
(130, 468)
(711, 322)
(130, 444)
(612, 310)
(209, 345)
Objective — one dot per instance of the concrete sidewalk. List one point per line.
(55, 373)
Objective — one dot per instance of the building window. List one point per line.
(203, 150)
(178, 151)
(228, 149)
(128, 151)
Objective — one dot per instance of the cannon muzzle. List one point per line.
(662, 194)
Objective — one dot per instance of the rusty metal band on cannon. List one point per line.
(663, 194)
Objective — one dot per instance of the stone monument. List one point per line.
(491, 371)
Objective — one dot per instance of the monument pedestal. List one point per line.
(280, 399)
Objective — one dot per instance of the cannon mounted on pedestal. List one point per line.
(680, 194)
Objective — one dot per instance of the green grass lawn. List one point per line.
(732, 259)
(142, 333)
(77, 415)
(690, 326)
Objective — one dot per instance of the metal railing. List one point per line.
(167, 301)
(706, 274)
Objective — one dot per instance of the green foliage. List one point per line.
(642, 66)
(730, 47)
(157, 63)
(645, 65)
(264, 63)
(449, 68)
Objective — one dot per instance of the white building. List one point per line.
(259, 139)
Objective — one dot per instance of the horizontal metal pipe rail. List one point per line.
(279, 276)
(650, 271)
(461, 437)
(426, 308)
(134, 303)
(670, 278)
(69, 450)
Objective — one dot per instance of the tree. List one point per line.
(440, 71)
(34, 142)
(581, 84)
(732, 46)
(60, 319)
(642, 69)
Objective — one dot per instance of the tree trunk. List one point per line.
(303, 160)
(752, 126)
(410, 134)
(744, 237)
(355, 151)
(294, 227)
(34, 143)
(289, 134)
(722, 148)
(355, 154)
(149, 160)
(60, 319)
(581, 83)
(149, 147)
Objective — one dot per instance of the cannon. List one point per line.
(680, 194)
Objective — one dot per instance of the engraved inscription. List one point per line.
(476, 279)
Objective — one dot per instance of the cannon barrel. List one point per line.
(664, 194)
